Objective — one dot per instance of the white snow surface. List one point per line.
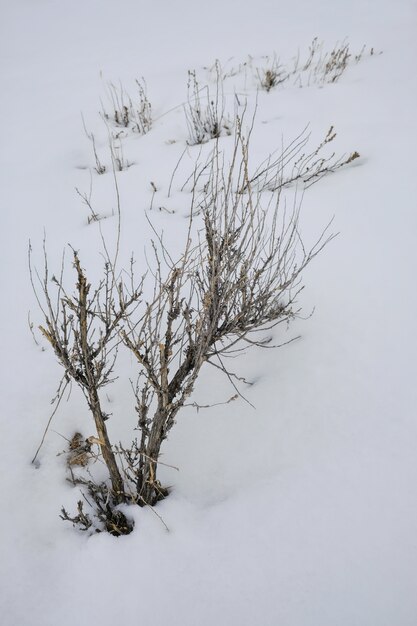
(303, 511)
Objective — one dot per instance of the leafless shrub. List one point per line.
(119, 162)
(332, 64)
(127, 113)
(318, 67)
(273, 75)
(205, 113)
(237, 278)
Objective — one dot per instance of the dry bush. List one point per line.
(131, 113)
(204, 112)
(239, 273)
(273, 75)
(317, 68)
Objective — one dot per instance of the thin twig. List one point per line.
(59, 398)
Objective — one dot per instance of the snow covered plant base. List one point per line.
(239, 273)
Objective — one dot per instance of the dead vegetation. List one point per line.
(318, 67)
(79, 451)
(204, 111)
(236, 279)
(239, 273)
(297, 163)
(126, 112)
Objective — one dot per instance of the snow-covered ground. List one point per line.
(301, 512)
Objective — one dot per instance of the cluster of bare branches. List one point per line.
(296, 163)
(127, 113)
(118, 160)
(115, 144)
(318, 67)
(239, 273)
(82, 328)
(204, 112)
(273, 75)
(328, 67)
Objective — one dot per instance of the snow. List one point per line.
(301, 512)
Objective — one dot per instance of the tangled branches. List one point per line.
(239, 273)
